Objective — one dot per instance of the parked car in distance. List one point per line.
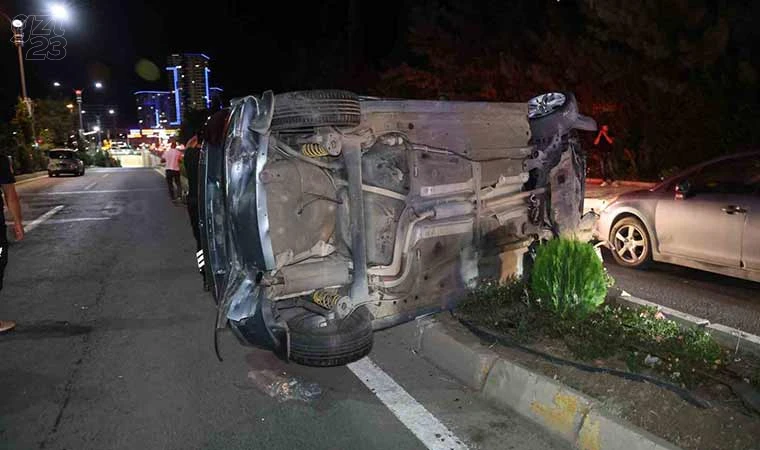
(706, 217)
(326, 216)
(64, 160)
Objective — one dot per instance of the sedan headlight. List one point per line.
(607, 202)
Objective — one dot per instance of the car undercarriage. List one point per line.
(326, 215)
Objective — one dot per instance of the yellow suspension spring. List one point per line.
(325, 299)
(314, 150)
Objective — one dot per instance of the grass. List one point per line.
(684, 356)
(568, 279)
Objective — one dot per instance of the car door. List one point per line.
(707, 223)
(751, 236)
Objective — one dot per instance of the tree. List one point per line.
(680, 72)
(54, 123)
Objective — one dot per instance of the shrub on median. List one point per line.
(568, 279)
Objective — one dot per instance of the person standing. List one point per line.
(7, 181)
(172, 158)
(191, 161)
(603, 144)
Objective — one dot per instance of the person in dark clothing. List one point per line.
(603, 144)
(7, 181)
(192, 159)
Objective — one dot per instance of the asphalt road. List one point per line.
(113, 348)
(718, 298)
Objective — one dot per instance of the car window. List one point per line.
(734, 176)
(61, 155)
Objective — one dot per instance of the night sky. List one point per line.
(253, 45)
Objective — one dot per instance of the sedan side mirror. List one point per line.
(683, 190)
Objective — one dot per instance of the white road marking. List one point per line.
(429, 430)
(105, 175)
(55, 221)
(163, 174)
(90, 186)
(104, 191)
(41, 219)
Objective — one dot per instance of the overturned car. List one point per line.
(326, 215)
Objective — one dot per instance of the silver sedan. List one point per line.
(706, 217)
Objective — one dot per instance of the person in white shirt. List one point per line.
(173, 157)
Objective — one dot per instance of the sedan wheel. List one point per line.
(630, 243)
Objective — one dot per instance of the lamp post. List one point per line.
(78, 92)
(17, 28)
(111, 122)
(59, 12)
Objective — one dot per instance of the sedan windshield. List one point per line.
(61, 155)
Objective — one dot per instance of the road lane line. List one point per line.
(56, 221)
(104, 191)
(90, 186)
(105, 175)
(163, 174)
(425, 426)
(41, 219)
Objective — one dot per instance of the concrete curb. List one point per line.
(562, 411)
(29, 177)
(729, 338)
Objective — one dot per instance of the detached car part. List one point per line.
(327, 216)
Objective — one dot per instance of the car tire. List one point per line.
(304, 110)
(559, 115)
(341, 342)
(630, 243)
(50, 174)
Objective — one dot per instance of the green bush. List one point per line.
(568, 279)
(104, 159)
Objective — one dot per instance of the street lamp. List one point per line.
(111, 112)
(17, 27)
(78, 92)
(59, 12)
(56, 84)
(98, 85)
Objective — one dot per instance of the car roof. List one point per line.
(696, 167)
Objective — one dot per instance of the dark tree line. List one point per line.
(681, 75)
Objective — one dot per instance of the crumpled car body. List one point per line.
(327, 216)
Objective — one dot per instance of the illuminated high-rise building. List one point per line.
(188, 83)
(155, 109)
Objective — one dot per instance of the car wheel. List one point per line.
(555, 112)
(317, 342)
(630, 243)
(303, 110)
(50, 174)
